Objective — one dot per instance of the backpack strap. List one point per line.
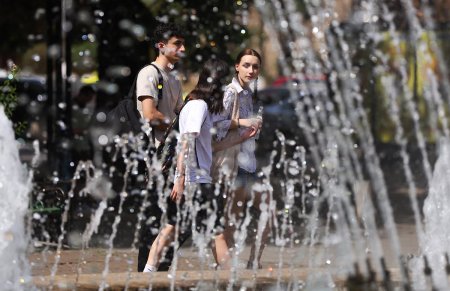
(132, 91)
(160, 82)
(160, 94)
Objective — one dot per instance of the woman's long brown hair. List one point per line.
(210, 83)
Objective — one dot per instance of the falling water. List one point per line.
(437, 235)
(64, 220)
(340, 149)
(15, 185)
(335, 58)
(97, 186)
(317, 122)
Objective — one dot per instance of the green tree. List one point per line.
(23, 24)
(8, 97)
(212, 27)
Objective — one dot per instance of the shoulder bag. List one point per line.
(225, 162)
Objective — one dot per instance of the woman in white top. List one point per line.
(247, 68)
(193, 193)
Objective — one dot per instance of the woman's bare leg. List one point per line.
(164, 238)
(258, 245)
(221, 252)
(234, 214)
(261, 203)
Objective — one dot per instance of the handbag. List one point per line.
(225, 162)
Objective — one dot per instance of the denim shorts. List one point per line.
(245, 179)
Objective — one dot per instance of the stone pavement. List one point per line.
(192, 280)
(82, 270)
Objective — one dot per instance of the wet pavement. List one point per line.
(83, 269)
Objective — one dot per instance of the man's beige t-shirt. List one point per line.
(147, 85)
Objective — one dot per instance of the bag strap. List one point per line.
(132, 91)
(235, 109)
(160, 94)
(225, 142)
(160, 82)
(170, 128)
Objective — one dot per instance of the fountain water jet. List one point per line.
(436, 239)
(15, 186)
(347, 121)
(341, 144)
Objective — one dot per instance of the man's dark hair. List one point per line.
(165, 31)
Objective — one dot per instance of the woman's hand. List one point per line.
(257, 122)
(251, 122)
(248, 133)
(178, 189)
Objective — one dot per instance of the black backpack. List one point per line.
(125, 117)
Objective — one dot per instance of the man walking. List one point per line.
(159, 110)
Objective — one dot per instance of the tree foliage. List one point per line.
(8, 97)
(212, 27)
(8, 94)
(23, 24)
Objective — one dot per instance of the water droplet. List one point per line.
(102, 139)
(54, 51)
(99, 13)
(36, 57)
(101, 117)
(55, 180)
(293, 170)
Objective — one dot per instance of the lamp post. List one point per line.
(59, 69)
